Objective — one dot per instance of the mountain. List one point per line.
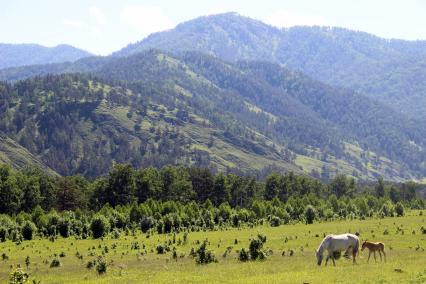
(14, 55)
(391, 71)
(156, 108)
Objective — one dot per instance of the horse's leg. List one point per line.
(354, 255)
(384, 254)
(369, 254)
(375, 260)
(334, 262)
(326, 260)
(380, 253)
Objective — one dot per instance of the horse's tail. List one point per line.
(356, 248)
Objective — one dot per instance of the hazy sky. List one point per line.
(105, 26)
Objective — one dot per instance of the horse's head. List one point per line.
(363, 245)
(319, 257)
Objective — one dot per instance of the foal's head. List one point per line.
(364, 245)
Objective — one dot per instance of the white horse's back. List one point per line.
(338, 243)
(342, 242)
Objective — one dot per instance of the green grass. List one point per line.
(127, 267)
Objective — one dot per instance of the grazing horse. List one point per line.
(373, 247)
(337, 243)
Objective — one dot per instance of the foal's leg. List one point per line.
(369, 254)
(384, 254)
(375, 260)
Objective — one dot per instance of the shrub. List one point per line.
(28, 230)
(161, 249)
(17, 276)
(275, 221)
(55, 263)
(27, 261)
(102, 265)
(255, 251)
(256, 246)
(64, 227)
(310, 214)
(90, 264)
(147, 223)
(3, 234)
(116, 234)
(243, 255)
(387, 209)
(399, 209)
(99, 226)
(204, 256)
(174, 254)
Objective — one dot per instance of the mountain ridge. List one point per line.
(268, 115)
(380, 68)
(16, 55)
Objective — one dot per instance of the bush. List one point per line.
(28, 230)
(90, 264)
(102, 265)
(387, 209)
(243, 255)
(116, 234)
(64, 227)
(161, 249)
(3, 234)
(310, 214)
(147, 223)
(204, 256)
(275, 221)
(17, 276)
(256, 246)
(399, 209)
(55, 263)
(99, 226)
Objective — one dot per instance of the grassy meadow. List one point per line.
(128, 263)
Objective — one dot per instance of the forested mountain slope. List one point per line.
(153, 108)
(392, 71)
(14, 55)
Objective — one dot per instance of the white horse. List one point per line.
(337, 243)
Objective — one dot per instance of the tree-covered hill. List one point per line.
(392, 71)
(154, 108)
(14, 55)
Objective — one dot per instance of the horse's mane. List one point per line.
(320, 248)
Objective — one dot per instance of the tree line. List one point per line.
(174, 198)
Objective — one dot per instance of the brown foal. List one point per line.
(372, 248)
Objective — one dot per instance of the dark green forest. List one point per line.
(176, 198)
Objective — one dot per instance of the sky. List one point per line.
(104, 26)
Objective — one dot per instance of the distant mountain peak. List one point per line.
(15, 55)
